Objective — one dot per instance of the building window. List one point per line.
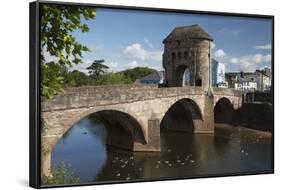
(179, 55)
(198, 82)
(185, 55)
(173, 57)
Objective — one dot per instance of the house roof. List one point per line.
(243, 80)
(245, 74)
(263, 72)
(192, 31)
(233, 74)
(158, 75)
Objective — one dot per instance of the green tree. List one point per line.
(57, 23)
(76, 78)
(113, 78)
(97, 69)
(137, 73)
(51, 73)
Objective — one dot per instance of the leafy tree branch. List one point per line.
(57, 22)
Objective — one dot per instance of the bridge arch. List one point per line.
(182, 116)
(130, 127)
(223, 111)
(124, 130)
(123, 127)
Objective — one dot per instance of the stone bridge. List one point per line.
(132, 114)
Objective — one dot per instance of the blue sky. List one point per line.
(126, 39)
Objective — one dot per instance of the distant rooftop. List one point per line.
(155, 76)
(246, 73)
(192, 31)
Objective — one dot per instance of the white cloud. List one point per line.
(266, 47)
(234, 60)
(136, 51)
(148, 43)
(132, 64)
(219, 54)
(249, 63)
(113, 65)
(264, 67)
(82, 67)
(267, 58)
(116, 66)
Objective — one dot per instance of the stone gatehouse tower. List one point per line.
(187, 48)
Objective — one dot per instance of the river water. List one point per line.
(229, 150)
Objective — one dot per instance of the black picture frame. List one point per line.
(34, 89)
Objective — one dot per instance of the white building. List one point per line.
(251, 81)
(218, 73)
(245, 85)
(263, 80)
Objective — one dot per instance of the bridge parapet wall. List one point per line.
(97, 95)
(71, 90)
(235, 96)
(227, 91)
(147, 104)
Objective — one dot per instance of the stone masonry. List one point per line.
(133, 114)
(187, 47)
(140, 107)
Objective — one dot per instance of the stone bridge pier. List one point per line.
(132, 114)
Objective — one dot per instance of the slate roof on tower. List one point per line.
(192, 31)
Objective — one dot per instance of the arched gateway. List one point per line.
(187, 47)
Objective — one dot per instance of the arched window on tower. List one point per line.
(173, 57)
(198, 82)
(185, 55)
(179, 55)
